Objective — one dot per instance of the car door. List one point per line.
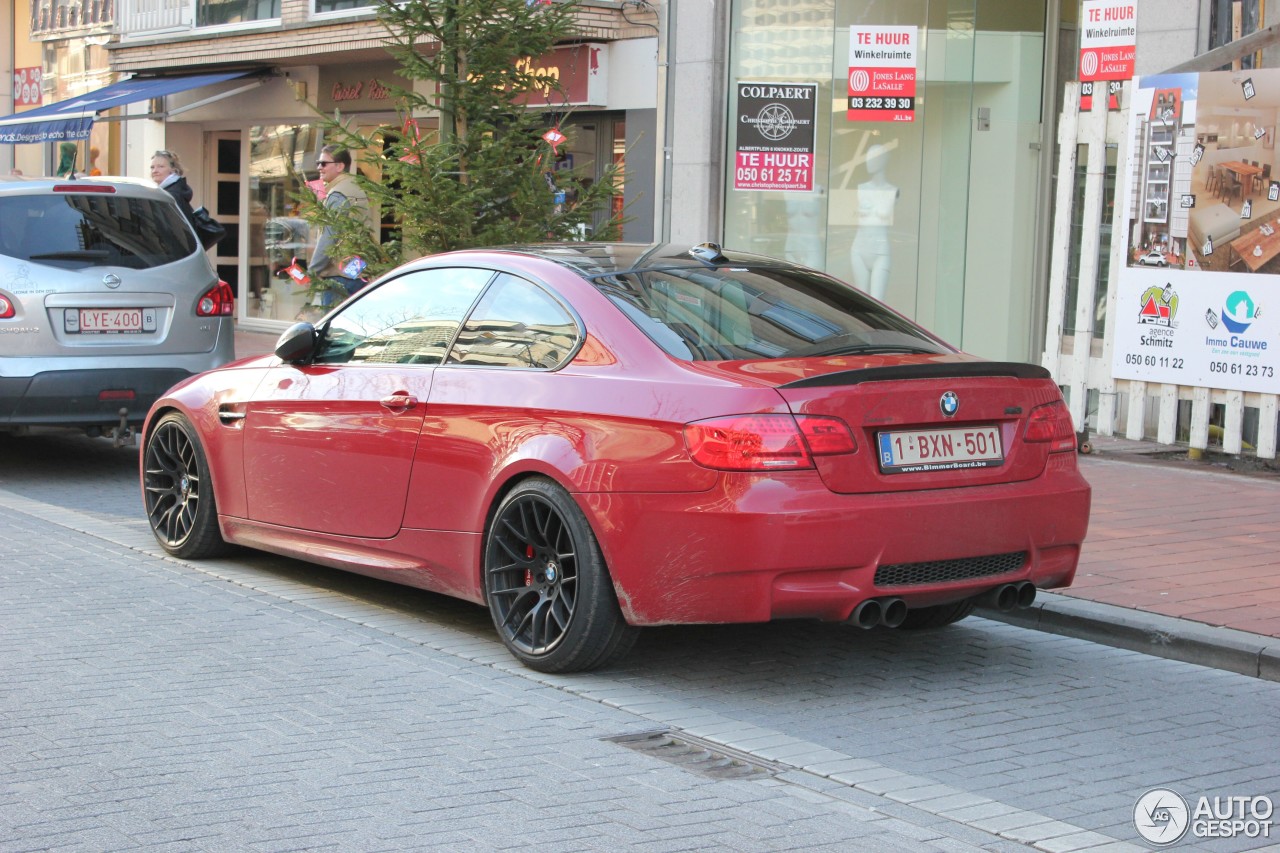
(495, 399)
(329, 445)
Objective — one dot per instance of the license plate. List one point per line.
(940, 449)
(109, 321)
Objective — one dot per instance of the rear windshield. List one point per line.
(733, 313)
(93, 229)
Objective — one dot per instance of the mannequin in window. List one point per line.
(876, 200)
(804, 241)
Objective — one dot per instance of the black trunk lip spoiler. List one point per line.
(932, 370)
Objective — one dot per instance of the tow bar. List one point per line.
(122, 435)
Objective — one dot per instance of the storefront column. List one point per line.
(693, 189)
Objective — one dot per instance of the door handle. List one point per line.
(399, 401)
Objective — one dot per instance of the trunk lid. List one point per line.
(898, 413)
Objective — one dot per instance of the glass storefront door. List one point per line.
(222, 200)
(279, 156)
(281, 164)
(932, 207)
(595, 141)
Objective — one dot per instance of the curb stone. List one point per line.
(1150, 633)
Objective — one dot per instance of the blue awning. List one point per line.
(73, 118)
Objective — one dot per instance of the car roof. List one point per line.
(592, 260)
(29, 185)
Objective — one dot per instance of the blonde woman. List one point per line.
(166, 171)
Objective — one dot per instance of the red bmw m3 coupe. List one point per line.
(591, 438)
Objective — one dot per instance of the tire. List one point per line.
(178, 491)
(940, 616)
(547, 586)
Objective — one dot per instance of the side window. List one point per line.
(408, 320)
(516, 324)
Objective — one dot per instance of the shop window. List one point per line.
(278, 155)
(212, 13)
(1078, 226)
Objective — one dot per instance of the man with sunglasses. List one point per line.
(342, 192)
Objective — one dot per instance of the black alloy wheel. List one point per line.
(178, 491)
(547, 586)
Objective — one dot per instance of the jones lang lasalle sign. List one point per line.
(882, 73)
(1108, 39)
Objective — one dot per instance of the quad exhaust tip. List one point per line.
(892, 612)
(1008, 596)
(889, 612)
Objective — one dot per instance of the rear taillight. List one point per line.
(826, 436)
(1052, 423)
(219, 301)
(766, 442)
(6, 308)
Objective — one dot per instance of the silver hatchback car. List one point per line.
(106, 301)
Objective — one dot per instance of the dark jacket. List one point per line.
(182, 195)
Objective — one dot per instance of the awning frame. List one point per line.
(49, 124)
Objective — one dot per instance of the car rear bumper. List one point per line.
(763, 548)
(83, 398)
(86, 390)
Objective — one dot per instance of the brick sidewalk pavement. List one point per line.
(151, 704)
(1192, 543)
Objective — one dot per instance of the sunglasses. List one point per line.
(325, 162)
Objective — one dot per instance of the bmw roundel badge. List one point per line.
(950, 404)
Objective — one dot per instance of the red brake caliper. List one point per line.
(528, 574)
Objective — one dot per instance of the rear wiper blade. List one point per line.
(72, 255)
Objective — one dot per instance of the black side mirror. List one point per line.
(298, 343)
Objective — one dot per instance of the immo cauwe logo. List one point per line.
(1238, 312)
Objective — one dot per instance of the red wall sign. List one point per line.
(882, 73)
(580, 70)
(1108, 39)
(26, 87)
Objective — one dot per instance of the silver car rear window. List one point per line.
(73, 231)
